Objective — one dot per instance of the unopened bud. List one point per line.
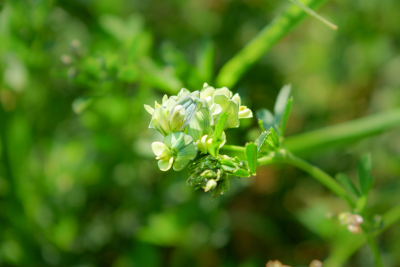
(316, 263)
(208, 174)
(211, 184)
(356, 219)
(228, 168)
(355, 229)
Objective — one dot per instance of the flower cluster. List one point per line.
(211, 174)
(352, 221)
(187, 122)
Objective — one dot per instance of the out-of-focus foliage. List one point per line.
(79, 185)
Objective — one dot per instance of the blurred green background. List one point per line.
(79, 185)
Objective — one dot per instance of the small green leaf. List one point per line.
(219, 128)
(267, 118)
(274, 137)
(261, 139)
(251, 156)
(241, 173)
(285, 117)
(214, 149)
(227, 162)
(281, 101)
(346, 182)
(364, 173)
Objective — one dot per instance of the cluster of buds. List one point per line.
(352, 221)
(188, 121)
(211, 174)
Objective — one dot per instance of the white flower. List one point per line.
(176, 150)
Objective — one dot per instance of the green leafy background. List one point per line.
(79, 185)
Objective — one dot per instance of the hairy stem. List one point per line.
(314, 171)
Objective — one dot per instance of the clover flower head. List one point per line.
(195, 115)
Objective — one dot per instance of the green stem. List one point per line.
(375, 250)
(235, 68)
(338, 134)
(314, 171)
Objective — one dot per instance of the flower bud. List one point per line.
(208, 174)
(211, 184)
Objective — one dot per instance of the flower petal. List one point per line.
(149, 109)
(225, 91)
(185, 155)
(177, 141)
(165, 165)
(207, 91)
(159, 121)
(158, 148)
(200, 125)
(164, 99)
(244, 113)
(231, 108)
(236, 98)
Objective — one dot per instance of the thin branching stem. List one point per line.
(317, 173)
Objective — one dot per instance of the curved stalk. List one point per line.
(314, 171)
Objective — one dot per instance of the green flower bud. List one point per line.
(211, 184)
(208, 174)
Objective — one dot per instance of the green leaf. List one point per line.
(285, 117)
(274, 137)
(267, 118)
(346, 182)
(251, 156)
(241, 173)
(281, 103)
(214, 148)
(227, 163)
(219, 128)
(364, 173)
(261, 139)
